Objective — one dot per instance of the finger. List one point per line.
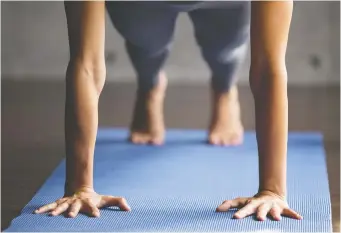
(247, 210)
(46, 208)
(235, 203)
(275, 213)
(263, 211)
(92, 210)
(49, 207)
(74, 208)
(226, 205)
(291, 214)
(120, 202)
(60, 209)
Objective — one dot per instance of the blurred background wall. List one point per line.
(34, 45)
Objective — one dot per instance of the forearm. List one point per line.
(268, 79)
(81, 121)
(84, 82)
(271, 110)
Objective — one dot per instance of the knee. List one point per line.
(89, 69)
(224, 55)
(224, 66)
(148, 49)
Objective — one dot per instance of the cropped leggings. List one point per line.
(221, 30)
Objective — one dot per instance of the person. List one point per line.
(269, 30)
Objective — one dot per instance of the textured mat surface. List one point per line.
(177, 187)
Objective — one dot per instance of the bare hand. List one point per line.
(85, 201)
(262, 204)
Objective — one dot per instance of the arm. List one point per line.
(85, 77)
(270, 23)
(84, 81)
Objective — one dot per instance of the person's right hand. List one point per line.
(86, 201)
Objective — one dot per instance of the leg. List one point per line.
(222, 32)
(147, 28)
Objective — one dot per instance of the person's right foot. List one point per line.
(226, 128)
(148, 121)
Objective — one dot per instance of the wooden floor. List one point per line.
(32, 129)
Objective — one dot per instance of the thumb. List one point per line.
(120, 202)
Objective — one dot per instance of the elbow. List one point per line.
(90, 70)
(265, 75)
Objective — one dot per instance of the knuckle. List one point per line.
(59, 201)
(253, 201)
(121, 199)
(228, 202)
(77, 202)
(275, 205)
(248, 201)
(86, 200)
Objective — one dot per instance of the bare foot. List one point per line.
(148, 121)
(226, 128)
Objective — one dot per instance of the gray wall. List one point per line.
(34, 45)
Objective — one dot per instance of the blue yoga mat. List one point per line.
(178, 186)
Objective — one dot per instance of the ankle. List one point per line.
(228, 95)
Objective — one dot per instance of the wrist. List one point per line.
(278, 191)
(74, 189)
(271, 193)
(273, 181)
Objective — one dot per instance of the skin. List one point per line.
(85, 79)
(226, 128)
(268, 80)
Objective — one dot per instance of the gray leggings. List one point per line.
(221, 31)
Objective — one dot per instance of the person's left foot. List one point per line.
(226, 128)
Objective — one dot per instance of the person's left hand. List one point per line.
(262, 204)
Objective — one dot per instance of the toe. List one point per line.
(156, 141)
(236, 139)
(225, 140)
(138, 138)
(213, 139)
(133, 138)
(144, 139)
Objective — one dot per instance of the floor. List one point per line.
(32, 129)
